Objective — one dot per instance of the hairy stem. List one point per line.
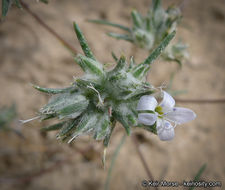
(49, 29)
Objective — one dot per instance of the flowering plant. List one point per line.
(163, 114)
(96, 101)
(148, 31)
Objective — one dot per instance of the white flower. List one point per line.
(163, 114)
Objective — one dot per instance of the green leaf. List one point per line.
(17, 3)
(124, 123)
(83, 43)
(6, 4)
(89, 65)
(107, 137)
(83, 83)
(65, 105)
(47, 116)
(125, 115)
(114, 56)
(54, 90)
(121, 36)
(148, 24)
(141, 70)
(86, 125)
(135, 95)
(104, 22)
(152, 57)
(156, 4)
(53, 127)
(73, 110)
(137, 19)
(198, 175)
(102, 128)
(68, 126)
(121, 63)
(132, 63)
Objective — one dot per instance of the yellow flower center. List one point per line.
(159, 110)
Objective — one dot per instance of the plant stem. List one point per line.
(200, 101)
(49, 29)
(144, 163)
(198, 175)
(115, 155)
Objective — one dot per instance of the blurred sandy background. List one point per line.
(29, 54)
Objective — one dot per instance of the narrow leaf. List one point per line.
(114, 56)
(141, 70)
(152, 57)
(83, 83)
(73, 110)
(102, 128)
(124, 123)
(86, 125)
(107, 137)
(89, 65)
(5, 7)
(156, 4)
(121, 36)
(83, 43)
(198, 175)
(17, 3)
(104, 22)
(47, 116)
(137, 19)
(61, 104)
(132, 63)
(53, 127)
(120, 65)
(53, 90)
(69, 125)
(138, 93)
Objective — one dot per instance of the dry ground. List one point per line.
(29, 54)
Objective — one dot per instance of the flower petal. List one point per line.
(167, 103)
(147, 118)
(165, 130)
(147, 103)
(181, 115)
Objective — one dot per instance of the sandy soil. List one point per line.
(29, 54)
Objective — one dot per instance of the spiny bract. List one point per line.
(148, 31)
(94, 102)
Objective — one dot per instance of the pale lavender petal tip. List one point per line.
(181, 115)
(147, 103)
(147, 118)
(167, 102)
(165, 131)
